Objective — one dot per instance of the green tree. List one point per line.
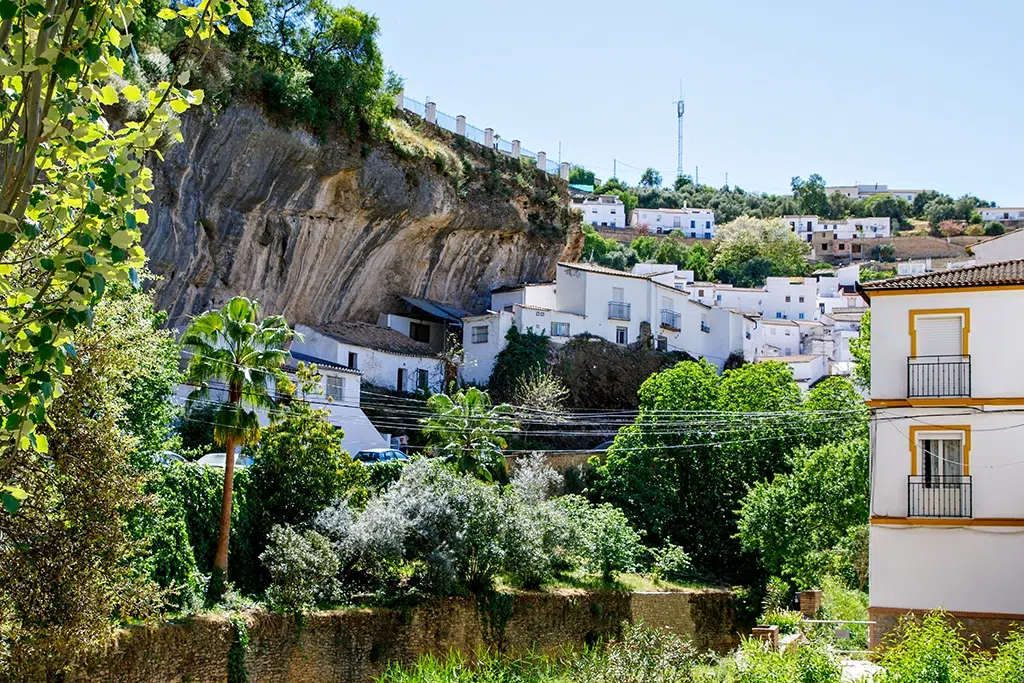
(234, 347)
(839, 206)
(525, 354)
(860, 350)
(644, 246)
(579, 175)
(747, 238)
(810, 195)
(699, 261)
(671, 251)
(650, 178)
(994, 228)
(469, 432)
(682, 182)
(72, 181)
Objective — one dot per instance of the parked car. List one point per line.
(374, 455)
(167, 458)
(218, 459)
(603, 446)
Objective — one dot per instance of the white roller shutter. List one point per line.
(939, 336)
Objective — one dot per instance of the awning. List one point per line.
(436, 310)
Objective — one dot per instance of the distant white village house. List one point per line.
(1002, 214)
(697, 223)
(605, 211)
(866, 191)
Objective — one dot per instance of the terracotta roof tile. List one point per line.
(1002, 273)
(374, 337)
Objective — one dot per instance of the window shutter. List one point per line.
(940, 336)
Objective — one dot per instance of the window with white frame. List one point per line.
(621, 335)
(480, 334)
(941, 457)
(559, 329)
(335, 387)
(422, 379)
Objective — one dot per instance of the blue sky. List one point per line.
(913, 93)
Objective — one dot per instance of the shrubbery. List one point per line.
(302, 569)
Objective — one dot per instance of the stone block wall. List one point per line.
(983, 628)
(357, 645)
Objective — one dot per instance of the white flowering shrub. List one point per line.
(603, 540)
(302, 567)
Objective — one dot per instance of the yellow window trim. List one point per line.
(915, 313)
(916, 429)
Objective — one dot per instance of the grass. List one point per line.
(629, 583)
(410, 144)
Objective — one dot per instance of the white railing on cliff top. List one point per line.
(486, 137)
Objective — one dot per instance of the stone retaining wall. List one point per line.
(356, 645)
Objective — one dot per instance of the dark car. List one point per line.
(603, 446)
(375, 455)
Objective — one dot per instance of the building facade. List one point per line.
(605, 211)
(865, 191)
(695, 223)
(1003, 214)
(947, 391)
(807, 227)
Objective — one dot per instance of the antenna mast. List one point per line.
(680, 108)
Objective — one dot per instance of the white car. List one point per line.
(219, 459)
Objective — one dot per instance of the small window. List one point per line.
(789, 299)
(941, 457)
(662, 343)
(353, 360)
(621, 335)
(420, 332)
(842, 246)
(707, 224)
(778, 314)
(335, 388)
(801, 316)
(693, 224)
(801, 299)
(613, 211)
(700, 292)
(707, 235)
(422, 380)
(480, 334)
(559, 329)
(509, 309)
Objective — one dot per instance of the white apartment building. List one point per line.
(947, 391)
(846, 229)
(1000, 213)
(340, 387)
(610, 304)
(807, 369)
(781, 298)
(865, 191)
(697, 223)
(385, 357)
(605, 211)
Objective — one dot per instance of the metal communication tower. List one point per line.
(680, 108)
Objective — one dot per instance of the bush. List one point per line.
(642, 654)
(926, 650)
(525, 354)
(809, 664)
(535, 531)
(302, 568)
(994, 228)
(605, 543)
(788, 621)
(1007, 666)
(384, 474)
(671, 563)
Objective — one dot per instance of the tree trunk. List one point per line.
(221, 560)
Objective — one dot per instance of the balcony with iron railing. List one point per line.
(618, 310)
(938, 376)
(671, 319)
(939, 496)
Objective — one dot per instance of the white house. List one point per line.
(605, 211)
(1001, 248)
(845, 229)
(807, 369)
(947, 390)
(607, 303)
(340, 397)
(385, 357)
(865, 191)
(698, 223)
(1001, 213)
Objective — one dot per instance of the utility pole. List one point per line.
(615, 168)
(727, 180)
(696, 175)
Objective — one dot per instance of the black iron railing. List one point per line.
(938, 376)
(670, 319)
(939, 496)
(618, 310)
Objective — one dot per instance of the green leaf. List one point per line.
(167, 14)
(244, 16)
(8, 10)
(12, 497)
(108, 95)
(66, 67)
(129, 220)
(92, 51)
(131, 93)
(99, 284)
(7, 240)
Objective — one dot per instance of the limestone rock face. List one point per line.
(335, 230)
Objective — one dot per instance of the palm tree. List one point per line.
(468, 430)
(231, 346)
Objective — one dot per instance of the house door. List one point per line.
(401, 379)
(942, 491)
